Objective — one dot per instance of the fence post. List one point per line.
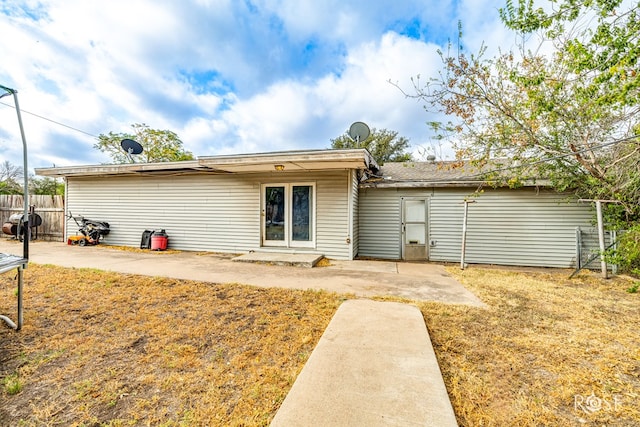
(614, 243)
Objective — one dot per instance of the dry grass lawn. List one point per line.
(548, 351)
(109, 349)
(102, 348)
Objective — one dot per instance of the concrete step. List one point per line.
(279, 258)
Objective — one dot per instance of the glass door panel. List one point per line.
(275, 214)
(301, 213)
(414, 211)
(415, 234)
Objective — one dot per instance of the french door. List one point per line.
(288, 215)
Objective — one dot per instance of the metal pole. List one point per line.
(20, 286)
(27, 234)
(603, 262)
(25, 171)
(464, 234)
(614, 245)
(578, 248)
(27, 227)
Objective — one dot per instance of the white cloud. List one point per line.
(226, 76)
(308, 114)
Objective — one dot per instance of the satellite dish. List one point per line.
(359, 131)
(130, 146)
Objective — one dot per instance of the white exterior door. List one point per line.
(414, 229)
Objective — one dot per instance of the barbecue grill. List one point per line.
(15, 225)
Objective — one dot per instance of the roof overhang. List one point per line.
(121, 169)
(286, 161)
(291, 161)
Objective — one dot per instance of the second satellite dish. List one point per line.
(130, 146)
(359, 131)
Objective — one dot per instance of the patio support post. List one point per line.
(464, 232)
(603, 262)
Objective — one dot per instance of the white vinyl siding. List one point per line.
(379, 222)
(194, 209)
(521, 227)
(333, 216)
(199, 212)
(508, 227)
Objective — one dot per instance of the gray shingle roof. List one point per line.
(428, 174)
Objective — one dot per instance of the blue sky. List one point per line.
(227, 76)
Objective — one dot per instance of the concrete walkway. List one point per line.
(374, 366)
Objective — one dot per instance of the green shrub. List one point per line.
(627, 253)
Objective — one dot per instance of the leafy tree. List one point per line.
(572, 115)
(45, 186)
(158, 145)
(10, 178)
(384, 145)
(606, 49)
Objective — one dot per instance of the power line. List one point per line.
(50, 120)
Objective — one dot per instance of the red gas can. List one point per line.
(159, 241)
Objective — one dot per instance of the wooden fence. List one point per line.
(50, 209)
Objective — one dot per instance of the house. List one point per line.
(339, 203)
(294, 201)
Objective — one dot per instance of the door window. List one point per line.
(414, 219)
(275, 213)
(302, 213)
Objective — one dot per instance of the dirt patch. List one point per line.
(102, 348)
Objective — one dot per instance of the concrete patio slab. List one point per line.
(420, 281)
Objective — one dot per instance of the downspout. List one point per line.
(349, 240)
